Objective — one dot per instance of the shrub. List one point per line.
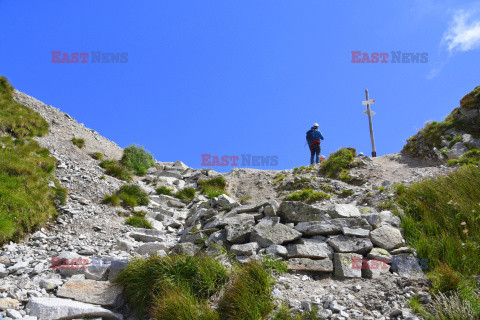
(97, 156)
(471, 157)
(186, 194)
(307, 195)
(164, 190)
(346, 193)
(138, 222)
(249, 295)
(16, 119)
(115, 169)
(128, 195)
(137, 159)
(173, 280)
(80, 143)
(213, 187)
(338, 162)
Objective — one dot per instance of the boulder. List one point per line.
(218, 238)
(247, 249)
(387, 237)
(457, 150)
(9, 303)
(305, 264)
(222, 221)
(90, 291)
(238, 233)
(406, 265)
(277, 250)
(224, 202)
(389, 218)
(380, 254)
(373, 269)
(147, 235)
(343, 244)
(186, 248)
(50, 284)
(332, 226)
(373, 219)
(151, 248)
(295, 211)
(268, 232)
(57, 308)
(348, 265)
(312, 250)
(344, 211)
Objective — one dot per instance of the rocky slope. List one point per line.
(346, 254)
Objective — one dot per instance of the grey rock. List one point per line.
(225, 202)
(332, 226)
(457, 150)
(295, 211)
(124, 245)
(151, 248)
(355, 232)
(238, 233)
(267, 232)
(217, 238)
(305, 264)
(344, 211)
(373, 269)
(348, 265)
(343, 244)
(90, 291)
(389, 218)
(386, 237)
(14, 314)
(312, 250)
(247, 249)
(373, 219)
(56, 308)
(406, 265)
(277, 250)
(380, 254)
(148, 235)
(186, 248)
(50, 284)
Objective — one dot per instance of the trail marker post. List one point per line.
(369, 113)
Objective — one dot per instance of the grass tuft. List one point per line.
(115, 169)
(137, 159)
(80, 143)
(138, 221)
(307, 195)
(213, 187)
(128, 195)
(186, 194)
(164, 190)
(338, 163)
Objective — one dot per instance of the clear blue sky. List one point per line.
(244, 77)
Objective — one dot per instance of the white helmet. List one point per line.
(315, 125)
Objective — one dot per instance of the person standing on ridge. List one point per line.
(313, 139)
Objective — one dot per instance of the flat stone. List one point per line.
(247, 249)
(355, 232)
(332, 226)
(14, 314)
(380, 254)
(305, 264)
(186, 248)
(406, 265)
(148, 235)
(373, 269)
(348, 265)
(277, 250)
(343, 244)
(57, 308)
(312, 250)
(238, 233)
(90, 291)
(50, 284)
(295, 211)
(267, 232)
(386, 237)
(9, 303)
(151, 248)
(344, 211)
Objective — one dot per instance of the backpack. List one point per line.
(311, 136)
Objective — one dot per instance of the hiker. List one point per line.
(313, 139)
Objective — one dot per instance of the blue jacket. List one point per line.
(318, 136)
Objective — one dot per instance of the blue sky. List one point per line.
(244, 77)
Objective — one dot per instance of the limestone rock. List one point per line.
(295, 211)
(387, 237)
(247, 249)
(9, 303)
(267, 232)
(305, 264)
(312, 250)
(343, 244)
(332, 226)
(57, 308)
(348, 265)
(238, 233)
(90, 291)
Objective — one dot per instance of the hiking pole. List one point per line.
(370, 113)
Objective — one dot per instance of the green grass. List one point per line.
(471, 157)
(346, 193)
(213, 187)
(274, 264)
(284, 313)
(137, 159)
(128, 195)
(161, 284)
(164, 190)
(442, 222)
(338, 162)
(80, 143)
(97, 156)
(186, 194)
(138, 221)
(26, 200)
(115, 169)
(249, 295)
(307, 195)
(16, 119)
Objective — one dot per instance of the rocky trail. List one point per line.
(346, 256)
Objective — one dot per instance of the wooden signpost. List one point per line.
(369, 113)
